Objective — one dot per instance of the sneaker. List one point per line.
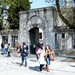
(25, 65)
(21, 64)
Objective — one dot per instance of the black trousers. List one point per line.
(41, 65)
(8, 55)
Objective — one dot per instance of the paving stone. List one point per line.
(11, 66)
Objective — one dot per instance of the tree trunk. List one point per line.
(72, 26)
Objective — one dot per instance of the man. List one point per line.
(24, 54)
(8, 54)
(3, 49)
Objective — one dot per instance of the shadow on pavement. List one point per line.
(72, 65)
(33, 60)
(36, 68)
(15, 63)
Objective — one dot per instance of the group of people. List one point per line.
(5, 48)
(43, 54)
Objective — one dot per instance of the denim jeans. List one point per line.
(6, 50)
(47, 61)
(8, 55)
(3, 51)
(24, 59)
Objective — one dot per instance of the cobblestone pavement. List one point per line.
(11, 66)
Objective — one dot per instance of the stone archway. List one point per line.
(34, 38)
(33, 25)
(35, 21)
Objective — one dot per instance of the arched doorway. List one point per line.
(34, 38)
(35, 26)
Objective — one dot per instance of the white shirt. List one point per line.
(6, 45)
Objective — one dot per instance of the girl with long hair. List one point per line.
(47, 57)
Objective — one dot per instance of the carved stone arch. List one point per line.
(36, 24)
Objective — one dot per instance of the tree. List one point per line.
(1, 17)
(15, 6)
(68, 22)
(1, 23)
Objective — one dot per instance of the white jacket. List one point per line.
(41, 57)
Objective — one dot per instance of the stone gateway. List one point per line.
(43, 25)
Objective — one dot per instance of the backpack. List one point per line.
(25, 50)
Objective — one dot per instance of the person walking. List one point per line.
(18, 48)
(24, 54)
(41, 57)
(8, 54)
(3, 49)
(47, 57)
(38, 47)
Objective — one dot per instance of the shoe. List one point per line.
(2, 54)
(7, 56)
(21, 64)
(25, 65)
(47, 68)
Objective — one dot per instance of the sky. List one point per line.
(38, 4)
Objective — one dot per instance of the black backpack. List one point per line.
(25, 50)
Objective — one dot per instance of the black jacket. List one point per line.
(24, 51)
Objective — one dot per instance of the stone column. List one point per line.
(69, 41)
(28, 43)
(46, 30)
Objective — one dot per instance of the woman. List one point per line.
(18, 49)
(41, 57)
(47, 58)
(38, 47)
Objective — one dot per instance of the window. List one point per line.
(63, 35)
(40, 35)
(5, 38)
(56, 43)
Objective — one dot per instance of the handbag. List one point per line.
(52, 56)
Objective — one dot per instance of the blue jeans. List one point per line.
(47, 61)
(6, 50)
(3, 51)
(24, 59)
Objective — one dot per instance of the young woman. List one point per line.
(41, 56)
(47, 58)
(18, 49)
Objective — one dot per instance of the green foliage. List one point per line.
(1, 12)
(1, 24)
(15, 6)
